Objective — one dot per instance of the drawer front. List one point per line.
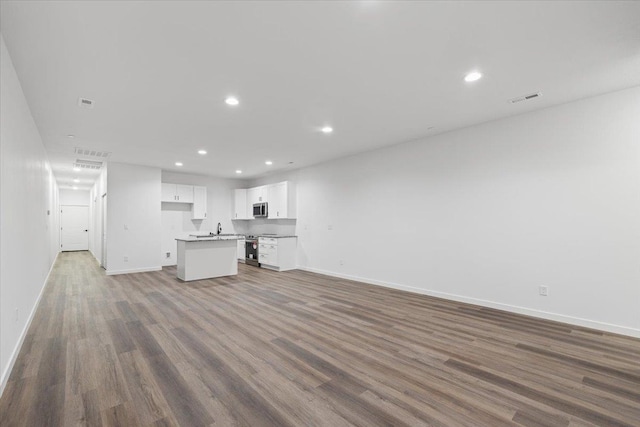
(268, 240)
(268, 249)
(268, 255)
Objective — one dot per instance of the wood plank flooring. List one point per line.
(302, 349)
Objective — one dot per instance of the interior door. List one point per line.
(74, 228)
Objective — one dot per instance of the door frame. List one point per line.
(103, 234)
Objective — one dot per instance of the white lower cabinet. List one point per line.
(277, 253)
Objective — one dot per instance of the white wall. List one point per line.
(176, 217)
(29, 220)
(96, 209)
(488, 213)
(133, 218)
(74, 197)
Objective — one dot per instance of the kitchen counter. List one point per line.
(207, 257)
(204, 239)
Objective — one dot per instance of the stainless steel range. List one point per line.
(251, 250)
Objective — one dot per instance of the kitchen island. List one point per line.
(208, 257)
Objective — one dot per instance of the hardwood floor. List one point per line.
(301, 349)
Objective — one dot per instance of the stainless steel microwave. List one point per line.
(260, 210)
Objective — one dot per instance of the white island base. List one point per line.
(206, 258)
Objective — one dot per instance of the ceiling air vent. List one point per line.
(91, 153)
(85, 103)
(525, 98)
(87, 164)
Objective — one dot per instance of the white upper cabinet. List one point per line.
(278, 198)
(240, 209)
(184, 193)
(281, 199)
(169, 192)
(256, 195)
(177, 193)
(199, 210)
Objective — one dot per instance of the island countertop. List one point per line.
(207, 257)
(208, 238)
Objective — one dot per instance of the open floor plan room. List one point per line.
(295, 348)
(319, 213)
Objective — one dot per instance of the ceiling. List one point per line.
(379, 73)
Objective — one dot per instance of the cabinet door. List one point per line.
(241, 249)
(252, 196)
(184, 193)
(169, 192)
(199, 210)
(240, 210)
(256, 195)
(278, 200)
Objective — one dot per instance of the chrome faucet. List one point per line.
(219, 228)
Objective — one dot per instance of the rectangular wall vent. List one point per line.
(525, 98)
(91, 153)
(85, 103)
(87, 164)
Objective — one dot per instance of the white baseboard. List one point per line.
(23, 334)
(133, 270)
(601, 326)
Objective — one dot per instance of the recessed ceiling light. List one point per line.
(232, 100)
(202, 152)
(473, 76)
(71, 136)
(75, 187)
(77, 169)
(327, 129)
(268, 163)
(238, 171)
(178, 163)
(76, 180)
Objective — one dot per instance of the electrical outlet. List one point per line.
(126, 258)
(330, 227)
(126, 227)
(544, 291)
(341, 262)
(168, 254)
